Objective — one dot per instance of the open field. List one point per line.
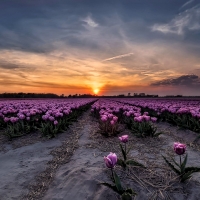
(41, 159)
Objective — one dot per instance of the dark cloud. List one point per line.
(7, 65)
(185, 80)
(37, 84)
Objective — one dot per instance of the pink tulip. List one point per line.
(153, 119)
(110, 160)
(115, 118)
(112, 122)
(124, 138)
(55, 122)
(179, 148)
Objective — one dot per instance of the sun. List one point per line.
(96, 91)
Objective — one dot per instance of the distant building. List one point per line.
(121, 95)
(152, 95)
(169, 96)
(142, 94)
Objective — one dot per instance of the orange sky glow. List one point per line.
(116, 52)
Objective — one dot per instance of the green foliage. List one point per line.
(2, 124)
(126, 196)
(171, 166)
(183, 171)
(17, 129)
(124, 163)
(185, 121)
(126, 193)
(144, 129)
(49, 130)
(134, 163)
(124, 153)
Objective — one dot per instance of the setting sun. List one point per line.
(96, 91)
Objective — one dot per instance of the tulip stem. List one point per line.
(125, 148)
(180, 162)
(112, 173)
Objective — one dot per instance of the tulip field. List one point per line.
(50, 117)
(106, 148)
(182, 113)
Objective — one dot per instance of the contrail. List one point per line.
(120, 56)
(185, 4)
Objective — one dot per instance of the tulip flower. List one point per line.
(179, 148)
(153, 119)
(110, 160)
(124, 138)
(112, 122)
(55, 122)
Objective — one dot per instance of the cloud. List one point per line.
(185, 80)
(120, 56)
(90, 22)
(187, 20)
(8, 65)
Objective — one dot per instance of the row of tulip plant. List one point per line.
(111, 161)
(110, 113)
(183, 113)
(50, 117)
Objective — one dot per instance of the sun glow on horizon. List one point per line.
(96, 91)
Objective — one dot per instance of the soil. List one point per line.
(71, 165)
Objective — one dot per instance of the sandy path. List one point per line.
(78, 179)
(19, 166)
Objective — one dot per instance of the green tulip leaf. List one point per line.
(175, 162)
(186, 176)
(134, 163)
(123, 152)
(195, 169)
(128, 151)
(171, 166)
(126, 196)
(184, 164)
(117, 182)
(121, 163)
(130, 191)
(113, 187)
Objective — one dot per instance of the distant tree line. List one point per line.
(43, 95)
(81, 96)
(29, 95)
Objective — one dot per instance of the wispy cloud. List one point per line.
(187, 20)
(90, 22)
(120, 56)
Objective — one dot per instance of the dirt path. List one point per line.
(19, 166)
(79, 178)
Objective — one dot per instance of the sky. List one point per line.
(107, 47)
